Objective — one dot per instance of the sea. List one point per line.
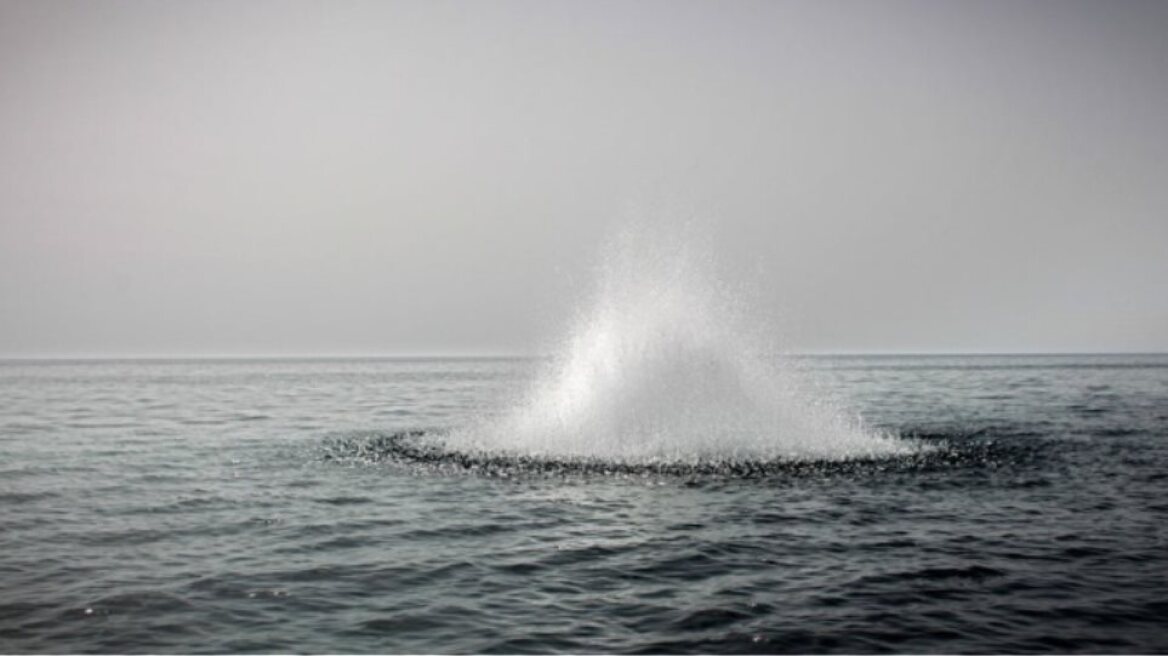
(958, 504)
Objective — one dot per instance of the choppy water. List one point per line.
(259, 506)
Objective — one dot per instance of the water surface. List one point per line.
(250, 506)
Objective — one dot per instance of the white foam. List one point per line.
(663, 366)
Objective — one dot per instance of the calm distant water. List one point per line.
(254, 506)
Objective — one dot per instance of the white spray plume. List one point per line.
(664, 366)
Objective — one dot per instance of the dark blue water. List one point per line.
(269, 506)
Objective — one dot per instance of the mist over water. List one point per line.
(665, 363)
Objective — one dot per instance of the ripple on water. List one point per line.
(1024, 527)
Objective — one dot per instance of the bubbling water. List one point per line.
(663, 367)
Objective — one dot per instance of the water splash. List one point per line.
(664, 366)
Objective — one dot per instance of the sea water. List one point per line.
(244, 506)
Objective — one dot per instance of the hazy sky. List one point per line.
(199, 178)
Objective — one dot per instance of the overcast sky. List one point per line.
(264, 178)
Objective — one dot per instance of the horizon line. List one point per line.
(526, 356)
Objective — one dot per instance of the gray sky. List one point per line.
(199, 178)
